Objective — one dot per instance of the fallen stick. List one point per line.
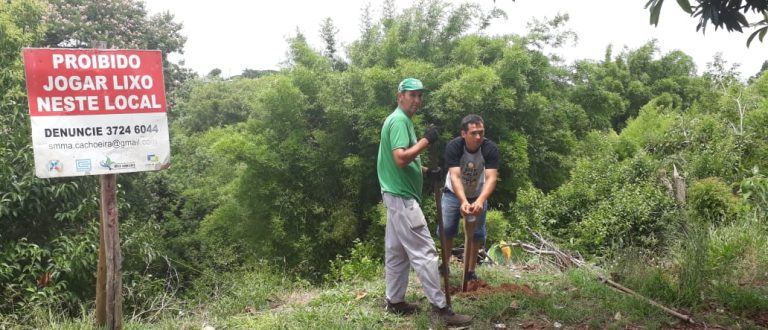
(560, 255)
(620, 287)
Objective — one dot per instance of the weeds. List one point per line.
(707, 276)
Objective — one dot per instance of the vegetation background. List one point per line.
(272, 199)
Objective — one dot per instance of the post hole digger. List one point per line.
(470, 222)
(445, 255)
(436, 177)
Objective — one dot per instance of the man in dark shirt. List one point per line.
(473, 163)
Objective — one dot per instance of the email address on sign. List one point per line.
(105, 144)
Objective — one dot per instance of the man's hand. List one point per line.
(465, 209)
(477, 207)
(431, 134)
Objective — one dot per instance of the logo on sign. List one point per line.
(107, 163)
(122, 166)
(83, 165)
(55, 166)
(152, 158)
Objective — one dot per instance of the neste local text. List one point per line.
(84, 103)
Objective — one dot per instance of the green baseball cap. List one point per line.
(410, 84)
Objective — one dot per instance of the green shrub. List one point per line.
(531, 210)
(737, 253)
(647, 130)
(712, 149)
(606, 206)
(58, 277)
(634, 215)
(361, 265)
(754, 192)
(711, 261)
(22, 266)
(710, 201)
(497, 227)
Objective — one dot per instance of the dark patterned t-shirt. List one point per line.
(472, 165)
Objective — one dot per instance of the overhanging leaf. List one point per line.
(760, 33)
(655, 10)
(742, 19)
(685, 5)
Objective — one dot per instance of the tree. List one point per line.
(426, 31)
(28, 207)
(728, 14)
(37, 216)
(328, 33)
(737, 100)
(217, 103)
(253, 74)
(214, 74)
(123, 24)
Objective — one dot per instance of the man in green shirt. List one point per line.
(407, 240)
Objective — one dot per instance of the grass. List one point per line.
(571, 300)
(263, 299)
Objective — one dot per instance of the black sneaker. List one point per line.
(401, 308)
(450, 318)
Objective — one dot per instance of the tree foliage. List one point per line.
(122, 24)
(276, 168)
(728, 14)
(47, 221)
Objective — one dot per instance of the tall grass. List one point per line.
(693, 271)
(709, 268)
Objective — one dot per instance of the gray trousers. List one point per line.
(407, 243)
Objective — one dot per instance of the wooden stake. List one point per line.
(445, 254)
(437, 188)
(109, 299)
(101, 277)
(109, 283)
(470, 222)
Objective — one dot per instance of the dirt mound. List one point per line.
(479, 288)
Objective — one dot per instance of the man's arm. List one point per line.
(488, 186)
(404, 156)
(458, 189)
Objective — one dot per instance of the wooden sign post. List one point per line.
(98, 112)
(109, 298)
(109, 283)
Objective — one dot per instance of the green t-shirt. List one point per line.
(397, 133)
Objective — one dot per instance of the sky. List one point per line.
(233, 35)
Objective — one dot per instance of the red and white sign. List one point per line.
(96, 111)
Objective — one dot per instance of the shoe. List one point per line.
(450, 318)
(401, 308)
